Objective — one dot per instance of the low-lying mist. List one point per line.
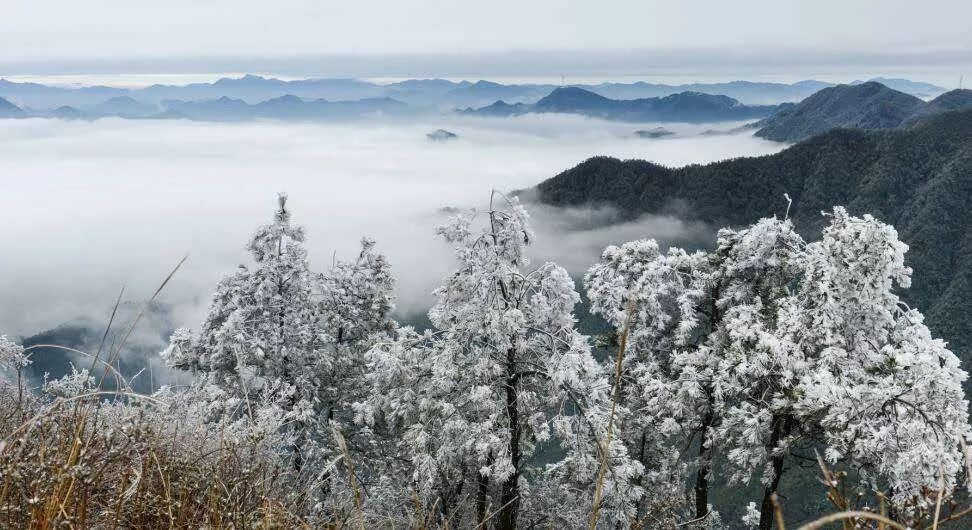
(89, 207)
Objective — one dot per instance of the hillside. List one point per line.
(685, 106)
(915, 178)
(9, 110)
(868, 105)
(958, 99)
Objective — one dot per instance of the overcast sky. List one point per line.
(48, 36)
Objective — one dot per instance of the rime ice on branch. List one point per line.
(503, 374)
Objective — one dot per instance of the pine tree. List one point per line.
(767, 342)
(277, 325)
(504, 373)
(887, 395)
(666, 302)
(701, 349)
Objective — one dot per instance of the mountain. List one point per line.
(287, 107)
(254, 89)
(484, 92)
(138, 360)
(67, 112)
(573, 99)
(915, 88)
(657, 132)
(685, 107)
(38, 96)
(749, 92)
(916, 178)
(441, 135)
(9, 110)
(957, 99)
(440, 93)
(500, 109)
(124, 106)
(868, 105)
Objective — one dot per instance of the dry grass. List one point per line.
(87, 464)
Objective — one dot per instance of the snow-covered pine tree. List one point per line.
(276, 325)
(503, 373)
(758, 369)
(354, 305)
(701, 359)
(887, 395)
(767, 340)
(356, 297)
(263, 329)
(667, 375)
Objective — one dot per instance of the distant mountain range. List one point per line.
(439, 93)
(916, 178)
(289, 108)
(285, 108)
(915, 88)
(868, 105)
(9, 110)
(685, 107)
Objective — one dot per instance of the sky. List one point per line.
(370, 38)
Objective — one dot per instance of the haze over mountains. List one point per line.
(685, 107)
(254, 97)
(434, 92)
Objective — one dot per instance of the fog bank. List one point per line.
(89, 207)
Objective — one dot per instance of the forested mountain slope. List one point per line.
(919, 179)
(867, 105)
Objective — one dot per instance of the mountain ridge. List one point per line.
(869, 105)
(9, 110)
(436, 92)
(684, 107)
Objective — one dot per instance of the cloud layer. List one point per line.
(90, 207)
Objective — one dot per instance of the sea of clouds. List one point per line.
(89, 207)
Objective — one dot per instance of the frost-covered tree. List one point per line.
(356, 297)
(758, 369)
(701, 357)
(277, 325)
(665, 301)
(12, 356)
(503, 375)
(887, 395)
(766, 342)
(262, 322)
(354, 304)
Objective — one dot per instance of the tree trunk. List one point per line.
(297, 448)
(781, 429)
(705, 466)
(482, 498)
(510, 499)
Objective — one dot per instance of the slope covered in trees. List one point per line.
(868, 105)
(916, 179)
